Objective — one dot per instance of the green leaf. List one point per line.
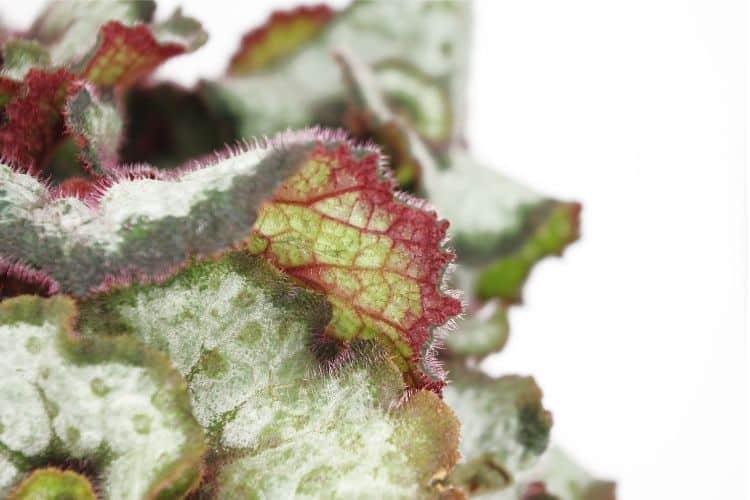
(283, 421)
(54, 484)
(109, 404)
(143, 227)
(504, 427)
(19, 56)
(480, 333)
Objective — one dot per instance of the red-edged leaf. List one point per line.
(338, 226)
(34, 118)
(125, 54)
(280, 36)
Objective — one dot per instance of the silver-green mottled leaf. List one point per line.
(282, 424)
(108, 403)
(428, 36)
(504, 427)
(142, 229)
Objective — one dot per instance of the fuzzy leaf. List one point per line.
(502, 229)
(283, 34)
(337, 225)
(96, 127)
(33, 118)
(557, 477)
(105, 403)
(51, 483)
(143, 227)
(504, 427)
(125, 54)
(281, 425)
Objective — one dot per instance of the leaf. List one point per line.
(502, 229)
(19, 56)
(107, 404)
(504, 427)
(281, 423)
(125, 54)
(282, 34)
(380, 258)
(557, 477)
(480, 333)
(70, 27)
(145, 224)
(33, 118)
(53, 483)
(96, 127)
(305, 88)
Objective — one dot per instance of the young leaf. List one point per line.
(108, 404)
(337, 225)
(146, 223)
(504, 427)
(281, 423)
(283, 34)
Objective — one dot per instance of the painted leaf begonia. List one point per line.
(380, 257)
(106, 407)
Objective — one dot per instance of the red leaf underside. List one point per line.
(34, 118)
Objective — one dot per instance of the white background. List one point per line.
(637, 109)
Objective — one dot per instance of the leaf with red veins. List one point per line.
(337, 225)
(126, 54)
(34, 118)
(280, 36)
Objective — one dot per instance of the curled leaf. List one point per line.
(143, 223)
(109, 405)
(337, 225)
(125, 54)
